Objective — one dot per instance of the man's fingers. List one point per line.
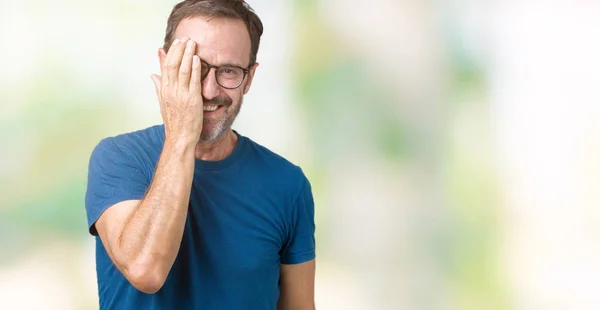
(157, 84)
(174, 61)
(196, 77)
(162, 59)
(185, 70)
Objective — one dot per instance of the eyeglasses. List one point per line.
(230, 77)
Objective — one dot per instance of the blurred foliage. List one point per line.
(336, 91)
(62, 120)
(56, 130)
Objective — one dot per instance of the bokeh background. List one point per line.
(453, 146)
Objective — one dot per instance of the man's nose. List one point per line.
(210, 87)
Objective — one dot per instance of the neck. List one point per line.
(218, 149)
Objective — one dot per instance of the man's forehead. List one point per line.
(218, 39)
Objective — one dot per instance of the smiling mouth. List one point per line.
(211, 108)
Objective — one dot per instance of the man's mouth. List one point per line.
(211, 107)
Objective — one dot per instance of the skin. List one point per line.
(142, 237)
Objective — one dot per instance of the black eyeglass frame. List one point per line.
(209, 66)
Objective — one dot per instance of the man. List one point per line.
(191, 214)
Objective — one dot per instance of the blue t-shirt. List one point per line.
(248, 213)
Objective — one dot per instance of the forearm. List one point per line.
(152, 234)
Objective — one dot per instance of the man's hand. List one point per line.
(179, 91)
(142, 237)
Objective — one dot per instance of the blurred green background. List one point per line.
(453, 146)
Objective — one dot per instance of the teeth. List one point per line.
(210, 108)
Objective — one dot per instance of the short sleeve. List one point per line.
(112, 177)
(300, 247)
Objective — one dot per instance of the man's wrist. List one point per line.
(180, 145)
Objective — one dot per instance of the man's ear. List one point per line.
(251, 72)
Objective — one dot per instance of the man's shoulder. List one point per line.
(145, 137)
(149, 135)
(279, 166)
(130, 144)
(271, 156)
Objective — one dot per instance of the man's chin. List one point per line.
(212, 135)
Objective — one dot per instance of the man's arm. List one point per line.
(297, 286)
(142, 237)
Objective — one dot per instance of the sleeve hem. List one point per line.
(299, 258)
(93, 219)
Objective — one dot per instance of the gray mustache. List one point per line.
(218, 101)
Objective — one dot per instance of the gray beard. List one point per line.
(222, 126)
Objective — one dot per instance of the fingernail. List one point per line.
(175, 42)
(183, 40)
(190, 43)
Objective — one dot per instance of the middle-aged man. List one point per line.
(191, 214)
